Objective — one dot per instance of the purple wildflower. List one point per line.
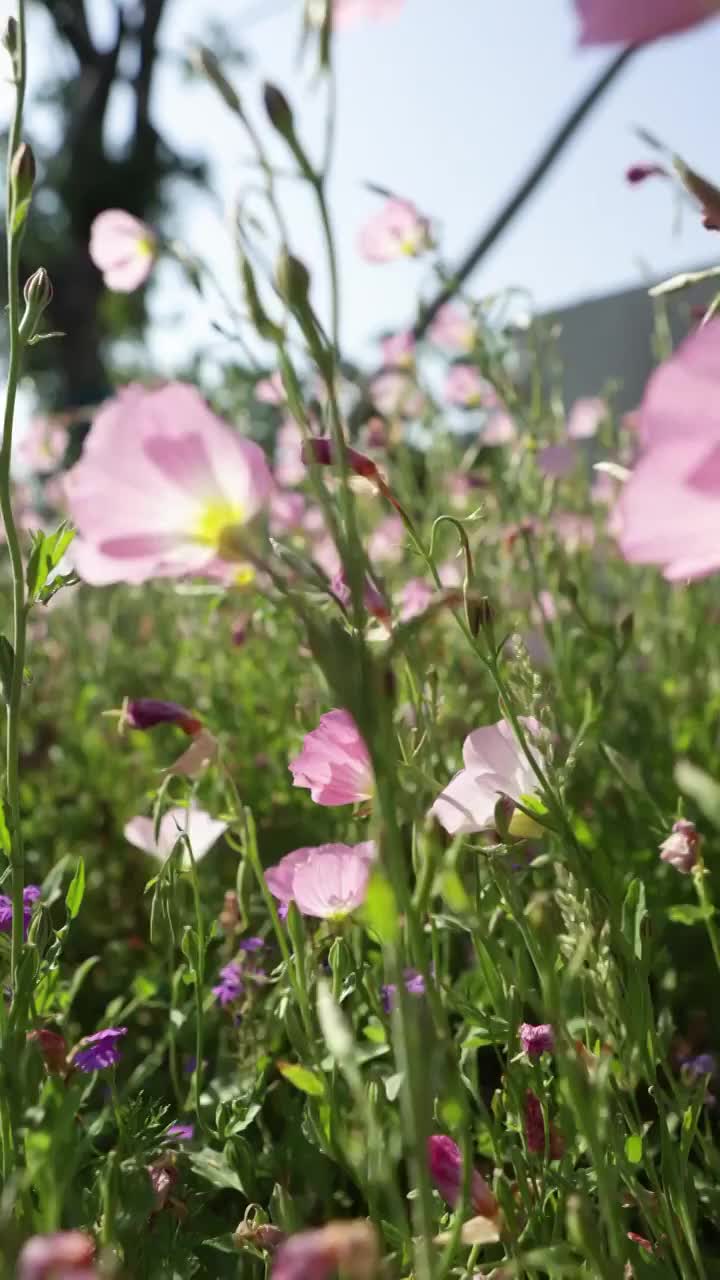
(536, 1040)
(183, 1132)
(31, 893)
(230, 987)
(251, 944)
(703, 1065)
(414, 985)
(100, 1051)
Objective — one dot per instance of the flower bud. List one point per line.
(38, 294)
(205, 61)
(537, 1040)
(640, 172)
(263, 1235)
(146, 713)
(293, 280)
(446, 1170)
(230, 914)
(278, 110)
(10, 36)
(22, 173)
(321, 449)
(53, 1048)
(680, 849)
(59, 1253)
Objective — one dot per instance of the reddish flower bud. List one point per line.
(535, 1129)
(680, 849)
(446, 1171)
(53, 1048)
(321, 449)
(60, 1253)
(639, 172)
(146, 713)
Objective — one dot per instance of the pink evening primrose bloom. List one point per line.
(395, 394)
(348, 12)
(414, 598)
(668, 513)
(161, 487)
(397, 230)
(289, 467)
(327, 881)
(123, 248)
(387, 540)
(465, 387)
(270, 390)
(638, 21)
(453, 328)
(495, 768)
(334, 762)
(43, 445)
(499, 429)
(201, 830)
(57, 1256)
(398, 350)
(585, 417)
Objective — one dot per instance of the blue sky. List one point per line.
(447, 105)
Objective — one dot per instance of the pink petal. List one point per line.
(637, 21)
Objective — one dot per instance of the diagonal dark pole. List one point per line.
(532, 179)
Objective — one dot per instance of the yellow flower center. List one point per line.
(146, 246)
(217, 522)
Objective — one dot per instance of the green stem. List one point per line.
(199, 984)
(707, 905)
(14, 237)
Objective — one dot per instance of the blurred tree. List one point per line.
(84, 175)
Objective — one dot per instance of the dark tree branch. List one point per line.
(71, 21)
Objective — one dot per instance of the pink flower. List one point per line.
(446, 1171)
(495, 767)
(395, 231)
(396, 395)
(286, 511)
(465, 387)
(574, 531)
(680, 849)
(334, 763)
(386, 542)
(123, 248)
(557, 460)
(162, 487)
(289, 466)
(373, 598)
(414, 598)
(398, 350)
(668, 513)
(348, 12)
(453, 328)
(270, 390)
(328, 881)
(499, 429)
(537, 1040)
(585, 417)
(43, 445)
(349, 1247)
(637, 173)
(201, 830)
(638, 21)
(60, 1254)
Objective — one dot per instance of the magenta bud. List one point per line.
(446, 1170)
(535, 1129)
(640, 172)
(59, 1253)
(53, 1048)
(321, 449)
(146, 713)
(536, 1040)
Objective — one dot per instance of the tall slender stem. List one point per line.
(14, 237)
